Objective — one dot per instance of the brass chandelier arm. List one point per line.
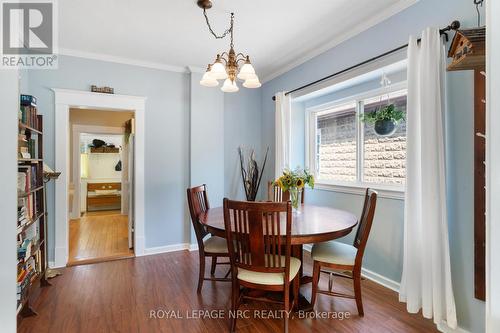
(241, 59)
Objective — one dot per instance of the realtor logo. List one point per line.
(28, 34)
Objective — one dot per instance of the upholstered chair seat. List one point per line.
(215, 244)
(334, 253)
(271, 279)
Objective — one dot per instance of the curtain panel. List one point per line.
(426, 280)
(283, 133)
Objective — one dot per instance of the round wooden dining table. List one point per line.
(312, 224)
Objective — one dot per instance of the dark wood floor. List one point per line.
(118, 296)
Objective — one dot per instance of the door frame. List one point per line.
(65, 99)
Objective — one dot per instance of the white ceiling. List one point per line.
(171, 34)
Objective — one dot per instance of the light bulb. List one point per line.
(230, 86)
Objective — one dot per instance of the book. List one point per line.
(28, 100)
(28, 116)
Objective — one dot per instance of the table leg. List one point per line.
(303, 303)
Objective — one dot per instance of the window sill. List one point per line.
(383, 191)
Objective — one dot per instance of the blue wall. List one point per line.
(384, 255)
(168, 135)
(242, 127)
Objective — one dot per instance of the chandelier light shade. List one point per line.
(252, 83)
(218, 70)
(227, 64)
(230, 86)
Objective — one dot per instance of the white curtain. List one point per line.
(426, 281)
(283, 133)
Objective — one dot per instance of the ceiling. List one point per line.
(171, 34)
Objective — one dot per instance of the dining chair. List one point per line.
(338, 258)
(276, 194)
(261, 256)
(212, 246)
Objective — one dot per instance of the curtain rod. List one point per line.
(455, 25)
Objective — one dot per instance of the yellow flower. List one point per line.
(300, 183)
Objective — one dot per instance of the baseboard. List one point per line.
(442, 327)
(166, 249)
(193, 247)
(380, 279)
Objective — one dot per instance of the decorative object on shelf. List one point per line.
(97, 143)
(100, 146)
(226, 65)
(385, 120)
(118, 166)
(294, 181)
(252, 174)
(102, 90)
(468, 49)
(49, 174)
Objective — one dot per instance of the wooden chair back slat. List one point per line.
(198, 203)
(257, 234)
(365, 223)
(276, 194)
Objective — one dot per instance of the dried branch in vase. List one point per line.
(251, 174)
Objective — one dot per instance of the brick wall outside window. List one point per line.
(384, 157)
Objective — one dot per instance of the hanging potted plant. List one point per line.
(385, 120)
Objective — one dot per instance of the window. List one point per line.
(348, 152)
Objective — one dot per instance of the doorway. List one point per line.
(100, 204)
(64, 99)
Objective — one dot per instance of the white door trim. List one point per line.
(64, 99)
(77, 130)
(492, 167)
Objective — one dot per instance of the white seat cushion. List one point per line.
(215, 244)
(334, 253)
(270, 278)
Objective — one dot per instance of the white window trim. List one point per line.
(358, 188)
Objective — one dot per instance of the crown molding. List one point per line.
(195, 69)
(122, 60)
(382, 16)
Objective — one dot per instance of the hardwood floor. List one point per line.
(98, 236)
(119, 296)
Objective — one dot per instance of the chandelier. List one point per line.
(227, 64)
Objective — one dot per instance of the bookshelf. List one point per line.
(31, 214)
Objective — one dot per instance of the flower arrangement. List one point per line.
(294, 181)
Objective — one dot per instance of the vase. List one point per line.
(295, 194)
(385, 127)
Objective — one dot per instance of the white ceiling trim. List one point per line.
(122, 60)
(195, 69)
(383, 15)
